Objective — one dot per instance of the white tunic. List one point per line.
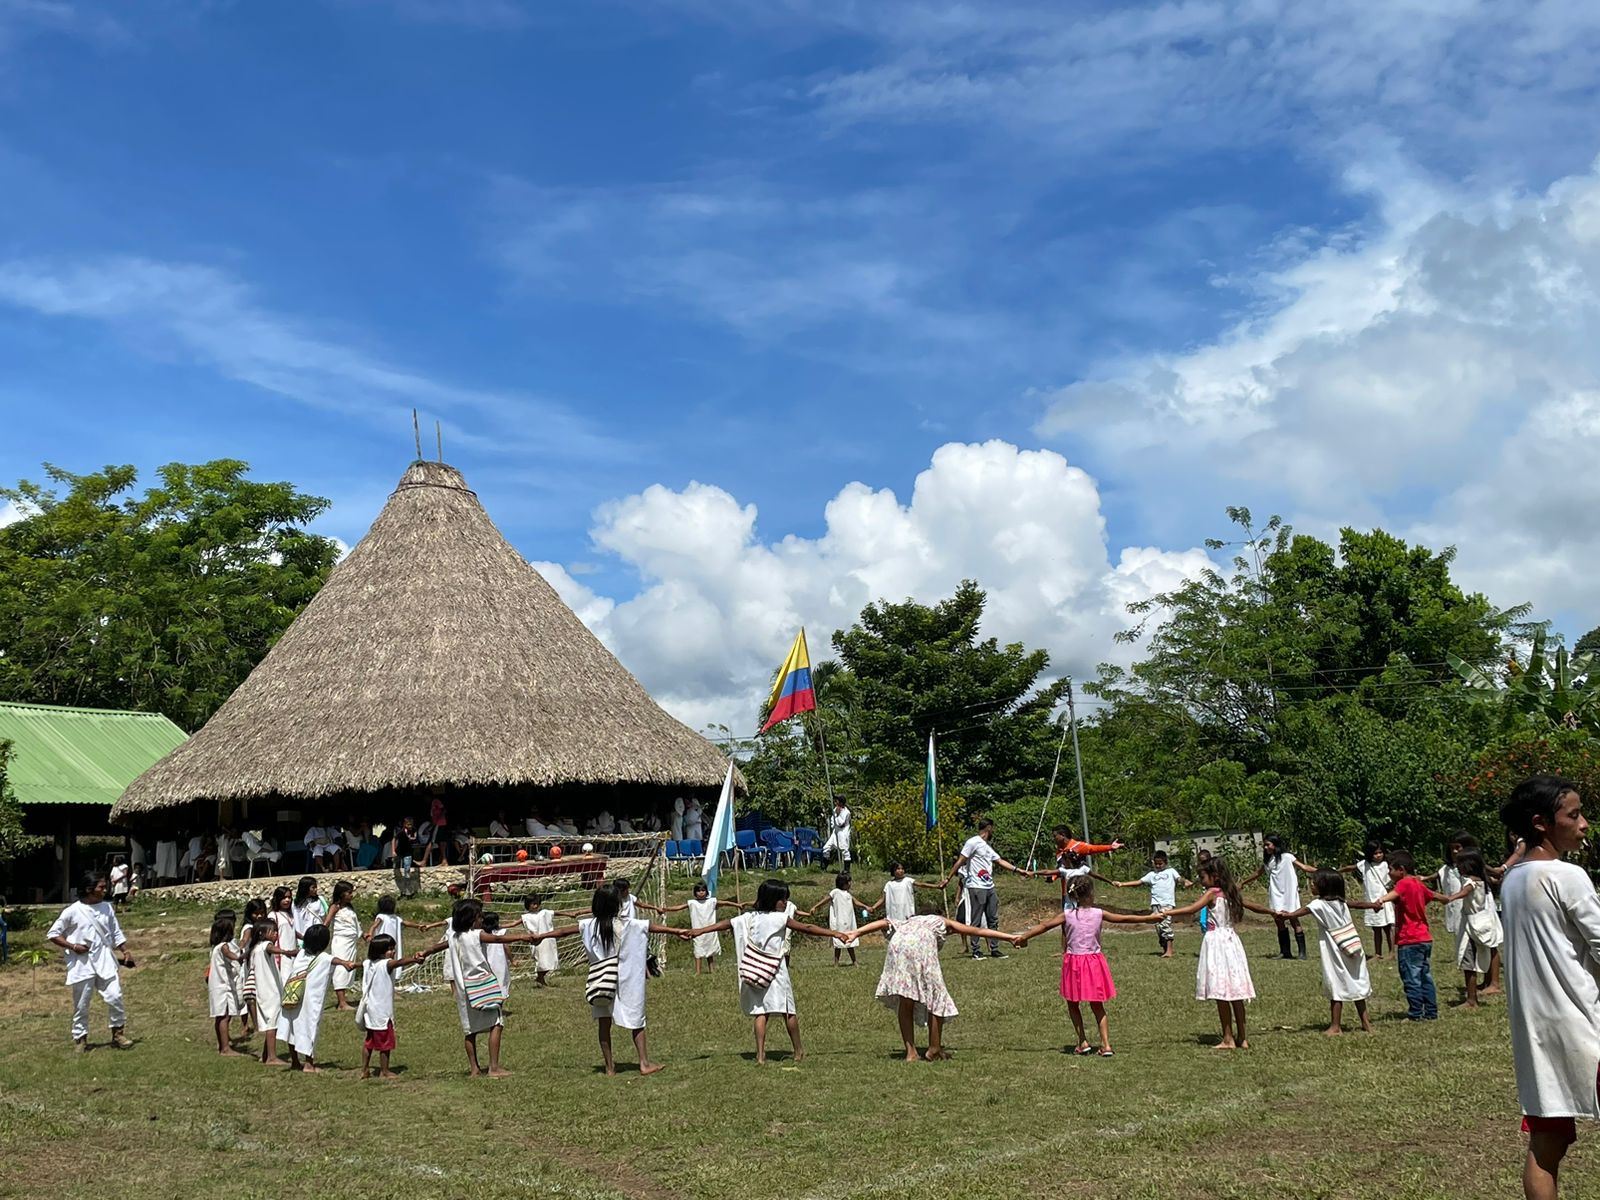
(465, 956)
(298, 1026)
(631, 946)
(546, 954)
(269, 985)
(899, 899)
(1451, 881)
(1375, 879)
(1552, 957)
(223, 983)
(1481, 931)
(704, 912)
(1283, 884)
(841, 913)
(1344, 976)
(390, 925)
(95, 926)
(288, 935)
(839, 839)
(308, 914)
(376, 1009)
(346, 944)
(768, 932)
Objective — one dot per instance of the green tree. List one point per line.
(14, 841)
(159, 602)
(1589, 643)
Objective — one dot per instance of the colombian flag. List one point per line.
(792, 693)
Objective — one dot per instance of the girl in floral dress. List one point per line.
(1223, 973)
(912, 983)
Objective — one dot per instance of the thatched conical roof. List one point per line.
(434, 655)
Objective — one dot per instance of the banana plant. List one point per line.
(1549, 691)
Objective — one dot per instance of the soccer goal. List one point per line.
(563, 873)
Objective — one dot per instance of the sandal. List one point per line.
(1105, 1054)
(1084, 1049)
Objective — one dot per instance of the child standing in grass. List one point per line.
(1085, 974)
(265, 970)
(841, 916)
(1283, 889)
(375, 1012)
(536, 918)
(222, 982)
(466, 946)
(1344, 963)
(1412, 936)
(1223, 972)
(1552, 951)
(912, 982)
(495, 952)
(388, 923)
(344, 928)
(702, 908)
(281, 909)
(1373, 872)
(760, 945)
(1449, 881)
(304, 990)
(899, 900)
(1163, 881)
(1479, 944)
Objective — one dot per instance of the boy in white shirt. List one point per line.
(89, 932)
(1163, 881)
(1552, 966)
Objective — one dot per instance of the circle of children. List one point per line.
(275, 968)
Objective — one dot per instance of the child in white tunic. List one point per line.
(1449, 881)
(841, 916)
(300, 1022)
(606, 938)
(388, 923)
(466, 949)
(344, 925)
(1373, 872)
(1344, 967)
(375, 1012)
(536, 918)
(309, 908)
(265, 970)
(1478, 943)
(1283, 890)
(1552, 953)
(222, 982)
(495, 953)
(766, 931)
(899, 900)
(280, 910)
(702, 909)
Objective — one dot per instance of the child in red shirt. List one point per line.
(1413, 939)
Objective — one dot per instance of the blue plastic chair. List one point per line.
(779, 846)
(671, 851)
(808, 844)
(692, 847)
(745, 846)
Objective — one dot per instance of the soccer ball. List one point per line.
(588, 847)
(522, 856)
(555, 851)
(486, 857)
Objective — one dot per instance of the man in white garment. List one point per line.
(89, 932)
(839, 836)
(1552, 958)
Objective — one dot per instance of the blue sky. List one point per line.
(739, 314)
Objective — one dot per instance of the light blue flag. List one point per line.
(720, 840)
(930, 791)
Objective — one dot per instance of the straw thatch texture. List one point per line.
(433, 655)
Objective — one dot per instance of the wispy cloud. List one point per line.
(22, 19)
(470, 14)
(197, 313)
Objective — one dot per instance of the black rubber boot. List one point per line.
(1283, 942)
(1300, 941)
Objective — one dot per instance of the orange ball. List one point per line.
(555, 851)
(522, 856)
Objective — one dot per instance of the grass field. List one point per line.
(1412, 1112)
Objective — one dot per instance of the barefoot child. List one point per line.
(265, 970)
(255, 911)
(759, 947)
(222, 982)
(1344, 963)
(388, 923)
(1223, 972)
(1163, 883)
(476, 987)
(375, 1012)
(912, 982)
(1479, 944)
(1373, 872)
(842, 907)
(617, 951)
(1552, 951)
(344, 928)
(702, 909)
(1283, 889)
(536, 918)
(304, 990)
(1085, 974)
(281, 910)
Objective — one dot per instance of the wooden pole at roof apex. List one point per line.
(438, 440)
(416, 431)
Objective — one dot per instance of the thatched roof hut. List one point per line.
(434, 656)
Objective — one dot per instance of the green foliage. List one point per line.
(1485, 782)
(1589, 643)
(14, 841)
(1550, 691)
(162, 602)
(888, 825)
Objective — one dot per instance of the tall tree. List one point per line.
(160, 602)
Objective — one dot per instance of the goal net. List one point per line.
(562, 873)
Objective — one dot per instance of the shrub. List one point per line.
(889, 826)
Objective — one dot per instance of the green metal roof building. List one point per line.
(69, 765)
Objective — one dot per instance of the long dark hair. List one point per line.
(344, 893)
(303, 892)
(464, 915)
(604, 907)
(1222, 879)
(1459, 838)
(1272, 849)
(772, 895)
(255, 910)
(1328, 885)
(1470, 863)
(222, 928)
(279, 895)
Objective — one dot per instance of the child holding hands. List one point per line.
(1344, 962)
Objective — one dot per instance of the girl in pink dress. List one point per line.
(1085, 975)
